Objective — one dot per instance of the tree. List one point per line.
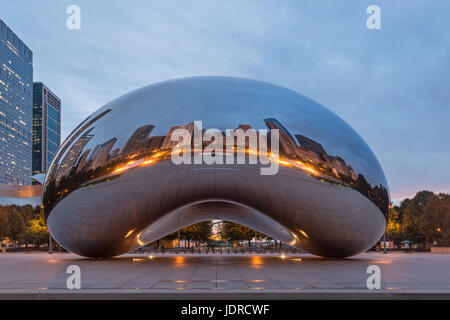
(231, 231)
(16, 225)
(424, 219)
(36, 233)
(412, 211)
(198, 232)
(435, 220)
(3, 224)
(395, 228)
(28, 213)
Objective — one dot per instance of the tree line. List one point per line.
(424, 220)
(223, 230)
(23, 225)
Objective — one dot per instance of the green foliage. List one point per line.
(424, 219)
(16, 225)
(23, 224)
(3, 224)
(198, 232)
(395, 229)
(231, 231)
(36, 233)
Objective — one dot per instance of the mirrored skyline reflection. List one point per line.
(104, 161)
(181, 101)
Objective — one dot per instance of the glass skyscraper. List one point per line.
(16, 111)
(46, 127)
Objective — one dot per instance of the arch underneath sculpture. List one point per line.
(216, 210)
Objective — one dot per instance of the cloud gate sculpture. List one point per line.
(114, 185)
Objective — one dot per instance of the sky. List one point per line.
(391, 85)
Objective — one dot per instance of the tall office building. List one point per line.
(287, 142)
(46, 127)
(16, 111)
(139, 139)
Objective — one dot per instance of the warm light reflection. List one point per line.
(383, 261)
(129, 233)
(303, 233)
(299, 259)
(180, 260)
(139, 240)
(140, 162)
(256, 260)
(303, 166)
(155, 157)
(284, 162)
(54, 261)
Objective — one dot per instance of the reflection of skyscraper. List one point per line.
(138, 139)
(72, 156)
(244, 127)
(248, 132)
(338, 164)
(101, 153)
(310, 144)
(83, 160)
(168, 143)
(155, 142)
(310, 151)
(287, 142)
(46, 127)
(114, 154)
(72, 137)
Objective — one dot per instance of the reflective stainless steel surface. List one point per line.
(113, 187)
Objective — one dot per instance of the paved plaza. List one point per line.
(242, 276)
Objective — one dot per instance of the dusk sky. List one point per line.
(391, 85)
